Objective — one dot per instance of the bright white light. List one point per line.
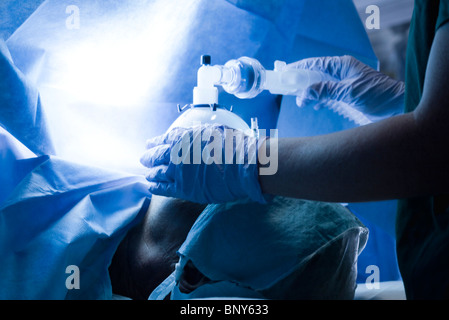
(120, 63)
(97, 82)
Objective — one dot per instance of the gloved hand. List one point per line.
(374, 94)
(182, 165)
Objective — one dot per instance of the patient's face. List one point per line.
(147, 255)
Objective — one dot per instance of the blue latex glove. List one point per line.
(197, 175)
(355, 84)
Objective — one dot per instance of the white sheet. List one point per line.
(389, 290)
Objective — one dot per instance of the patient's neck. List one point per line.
(147, 255)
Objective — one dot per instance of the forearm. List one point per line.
(391, 159)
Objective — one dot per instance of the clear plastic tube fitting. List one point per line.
(246, 78)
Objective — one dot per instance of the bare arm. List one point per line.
(404, 156)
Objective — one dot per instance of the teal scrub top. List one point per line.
(422, 227)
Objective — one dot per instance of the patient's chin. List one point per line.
(148, 253)
(169, 220)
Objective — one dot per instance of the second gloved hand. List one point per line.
(204, 164)
(355, 84)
